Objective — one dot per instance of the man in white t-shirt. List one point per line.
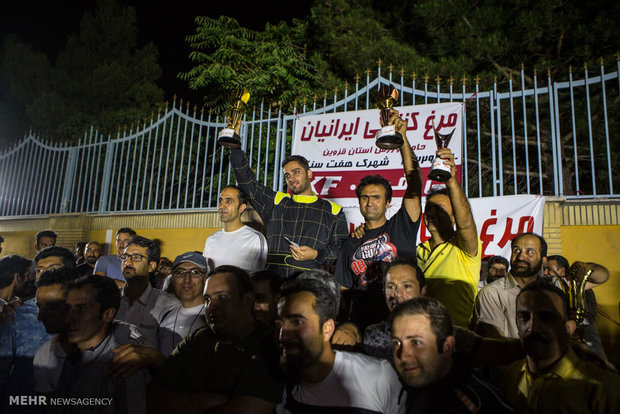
(236, 244)
(327, 380)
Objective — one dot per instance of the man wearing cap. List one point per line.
(189, 273)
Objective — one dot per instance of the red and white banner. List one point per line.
(340, 147)
(498, 220)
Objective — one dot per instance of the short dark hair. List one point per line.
(62, 275)
(298, 158)
(437, 191)
(126, 230)
(374, 180)
(325, 304)
(440, 321)
(275, 281)
(1, 239)
(326, 278)
(405, 260)
(152, 249)
(543, 243)
(242, 278)
(108, 295)
(68, 259)
(243, 198)
(542, 285)
(561, 260)
(46, 233)
(10, 266)
(498, 260)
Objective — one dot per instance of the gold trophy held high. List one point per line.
(228, 137)
(387, 137)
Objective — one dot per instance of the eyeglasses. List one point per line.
(194, 273)
(137, 258)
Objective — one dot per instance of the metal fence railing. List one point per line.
(555, 138)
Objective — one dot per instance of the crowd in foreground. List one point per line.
(305, 317)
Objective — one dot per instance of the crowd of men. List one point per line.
(305, 317)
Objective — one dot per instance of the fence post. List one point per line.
(105, 179)
(69, 178)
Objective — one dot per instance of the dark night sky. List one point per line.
(45, 24)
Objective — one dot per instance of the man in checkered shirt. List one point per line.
(303, 231)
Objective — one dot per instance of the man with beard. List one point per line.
(424, 347)
(141, 304)
(225, 367)
(552, 379)
(495, 305)
(92, 253)
(303, 231)
(249, 245)
(360, 259)
(320, 378)
(451, 258)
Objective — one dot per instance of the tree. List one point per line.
(101, 77)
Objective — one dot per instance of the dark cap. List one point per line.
(191, 257)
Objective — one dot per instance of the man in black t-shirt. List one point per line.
(359, 262)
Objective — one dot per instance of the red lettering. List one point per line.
(485, 237)
(509, 235)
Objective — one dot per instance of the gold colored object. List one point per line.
(228, 137)
(575, 291)
(387, 137)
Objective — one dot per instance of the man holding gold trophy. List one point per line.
(303, 231)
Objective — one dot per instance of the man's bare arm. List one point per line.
(411, 198)
(465, 224)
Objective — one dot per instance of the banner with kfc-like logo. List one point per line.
(340, 148)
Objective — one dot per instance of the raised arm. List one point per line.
(412, 197)
(465, 224)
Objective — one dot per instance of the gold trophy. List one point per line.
(228, 137)
(574, 287)
(387, 137)
(440, 172)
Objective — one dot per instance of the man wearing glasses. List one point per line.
(189, 273)
(141, 304)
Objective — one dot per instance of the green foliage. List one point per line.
(271, 64)
(101, 77)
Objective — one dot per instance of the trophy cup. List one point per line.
(387, 137)
(440, 172)
(574, 287)
(238, 101)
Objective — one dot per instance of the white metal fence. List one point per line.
(556, 138)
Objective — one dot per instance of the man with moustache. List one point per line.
(92, 253)
(495, 305)
(111, 266)
(225, 367)
(360, 259)
(320, 378)
(424, 347)
(236, 244)
(552, 379)
(141, 304)
(303, 231)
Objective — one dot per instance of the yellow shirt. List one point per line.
(452, 277)
(570, 386)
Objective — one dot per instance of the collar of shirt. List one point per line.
(307, 199)
(560, 369)
(143, 298)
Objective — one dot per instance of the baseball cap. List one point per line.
(191, 257)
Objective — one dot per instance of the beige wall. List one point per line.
(579, 230)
